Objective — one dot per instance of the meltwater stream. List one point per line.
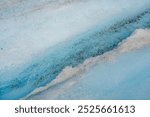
(48, 64)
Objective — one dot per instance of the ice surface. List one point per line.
(25, 36)
(39, 39)
(122, 73)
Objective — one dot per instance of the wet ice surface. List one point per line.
(120, 74)
(40, 39)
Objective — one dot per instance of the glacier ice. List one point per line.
(39, 39)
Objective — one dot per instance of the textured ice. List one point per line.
(25, 36)
(40, 39)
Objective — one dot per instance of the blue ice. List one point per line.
(39, 39)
